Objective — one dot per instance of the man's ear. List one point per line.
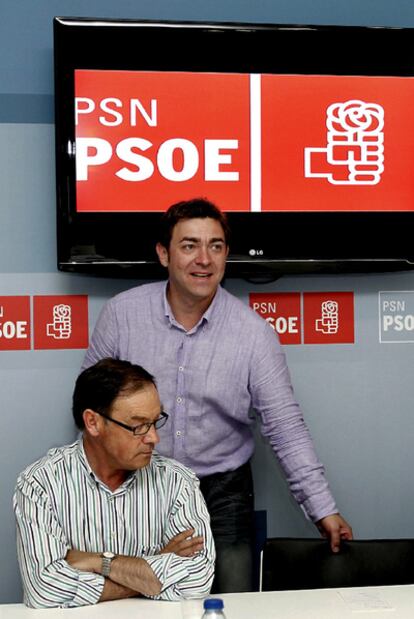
(92, 421)
(162, 253)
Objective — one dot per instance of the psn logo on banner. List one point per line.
(354, 154)
(396, 316)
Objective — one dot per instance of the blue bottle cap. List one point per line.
(213, 604)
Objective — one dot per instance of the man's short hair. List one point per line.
(99, 385)
(190, 209)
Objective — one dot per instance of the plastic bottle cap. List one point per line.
(213, 604)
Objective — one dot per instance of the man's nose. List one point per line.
(152, 436)
(203, 255)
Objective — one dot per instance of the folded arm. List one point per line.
(48, 580)
(54, 574)
(132, 575)
(183, 566)
(185, 561)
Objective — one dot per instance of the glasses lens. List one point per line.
(161, 421)
(142, 429)
(145, 427)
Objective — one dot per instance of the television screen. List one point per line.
(302, 134)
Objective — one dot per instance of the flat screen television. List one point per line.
(304, 135)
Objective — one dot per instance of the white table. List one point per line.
(314, 604)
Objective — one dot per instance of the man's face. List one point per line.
(196, 258)
(124, 451)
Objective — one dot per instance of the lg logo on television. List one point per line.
(324, 317)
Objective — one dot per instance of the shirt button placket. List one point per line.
(179, 419)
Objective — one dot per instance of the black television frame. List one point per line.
(122, 244)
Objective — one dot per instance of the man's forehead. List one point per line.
(197, 228)
(145, 399)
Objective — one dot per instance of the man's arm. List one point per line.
(53, 576)
(185, 563)
(48, 580)
(132, 574)
(283, 424)
(113, 591)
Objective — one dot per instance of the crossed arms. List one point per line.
(132, 576)
(55, 574)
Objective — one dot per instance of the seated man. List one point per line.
(106, 518)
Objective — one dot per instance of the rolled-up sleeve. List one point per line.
(183, 577)
(48, 580)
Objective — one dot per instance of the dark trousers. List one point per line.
(230, 502)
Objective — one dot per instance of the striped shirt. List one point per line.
(60, 504)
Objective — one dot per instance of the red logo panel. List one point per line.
(282, 311)
(145, 140)
(15, 323)
(328, 317)
(337, 143)
(60, 321)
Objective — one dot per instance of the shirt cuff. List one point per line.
(168, 568)
(315, 509)
(89, 591)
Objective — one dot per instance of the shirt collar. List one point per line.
(83, 459)
(94, 479)
(206, 317)
(167, 307)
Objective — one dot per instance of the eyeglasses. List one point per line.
(142, 428)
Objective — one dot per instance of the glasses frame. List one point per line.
(158, 423)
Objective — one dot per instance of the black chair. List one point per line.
(293, 563)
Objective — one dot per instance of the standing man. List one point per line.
(214, 359)
(105, 518)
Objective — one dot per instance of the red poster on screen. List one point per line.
(60, 321)
(145, 140)
(334, 143)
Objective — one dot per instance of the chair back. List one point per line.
(296, 563)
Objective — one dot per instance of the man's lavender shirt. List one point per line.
(208, 379)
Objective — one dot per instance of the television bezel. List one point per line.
(263, 244)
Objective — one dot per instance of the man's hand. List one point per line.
(184, 545)
(84, 561)
(334, 528)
